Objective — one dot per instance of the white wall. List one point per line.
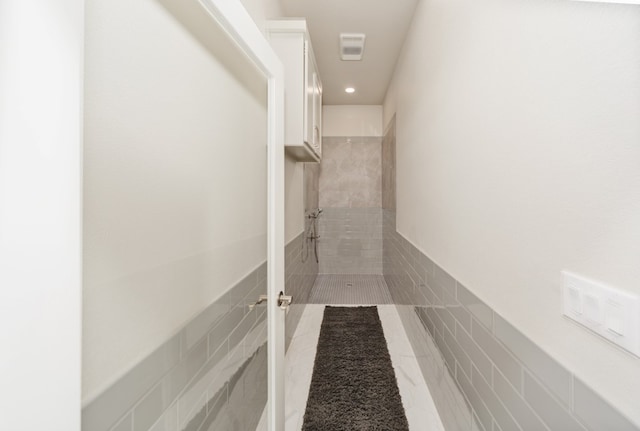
(175, 177)
(352, 120)
(293, 199)
(517, 157)
(40, 150)
(263, 10)
(389, 104)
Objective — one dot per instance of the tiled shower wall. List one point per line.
(212, 374)
(351, 172)
(350, 241)
(350, 228)
(464, 347)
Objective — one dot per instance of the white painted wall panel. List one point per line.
(352, 120)
(293, 199)
(517, 157)
(40, 198)
(175, 178)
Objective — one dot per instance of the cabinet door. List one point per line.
(309, 72)
(317, 114)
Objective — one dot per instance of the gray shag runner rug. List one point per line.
(353, 386)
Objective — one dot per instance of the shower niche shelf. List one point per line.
(290, 40)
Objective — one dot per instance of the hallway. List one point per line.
(186, 185)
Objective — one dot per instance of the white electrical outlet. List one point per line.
(612, 313)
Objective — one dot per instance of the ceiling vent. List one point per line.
(351, 46)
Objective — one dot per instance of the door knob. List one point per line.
(261, 299)
(284, 300)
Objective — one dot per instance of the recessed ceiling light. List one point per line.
(350, 90)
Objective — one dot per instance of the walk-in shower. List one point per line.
(348, 237)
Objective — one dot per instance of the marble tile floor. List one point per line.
(416, 399)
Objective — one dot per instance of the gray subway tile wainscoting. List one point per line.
(301, 270)
(212, 375)
(481, 371)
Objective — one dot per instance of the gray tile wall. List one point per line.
(350, 241)
(301, 270)
(351, 172)
(482, 372)
(212, 374)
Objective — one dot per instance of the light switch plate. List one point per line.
(573, 300)
(609, 312)
(592, 308)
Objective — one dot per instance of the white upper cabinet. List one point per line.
(303, 89)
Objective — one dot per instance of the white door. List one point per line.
(232, 16)
(40, 205)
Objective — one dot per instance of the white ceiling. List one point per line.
(385, 22)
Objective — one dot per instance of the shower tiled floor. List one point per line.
(350, 289)
(416, 399)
